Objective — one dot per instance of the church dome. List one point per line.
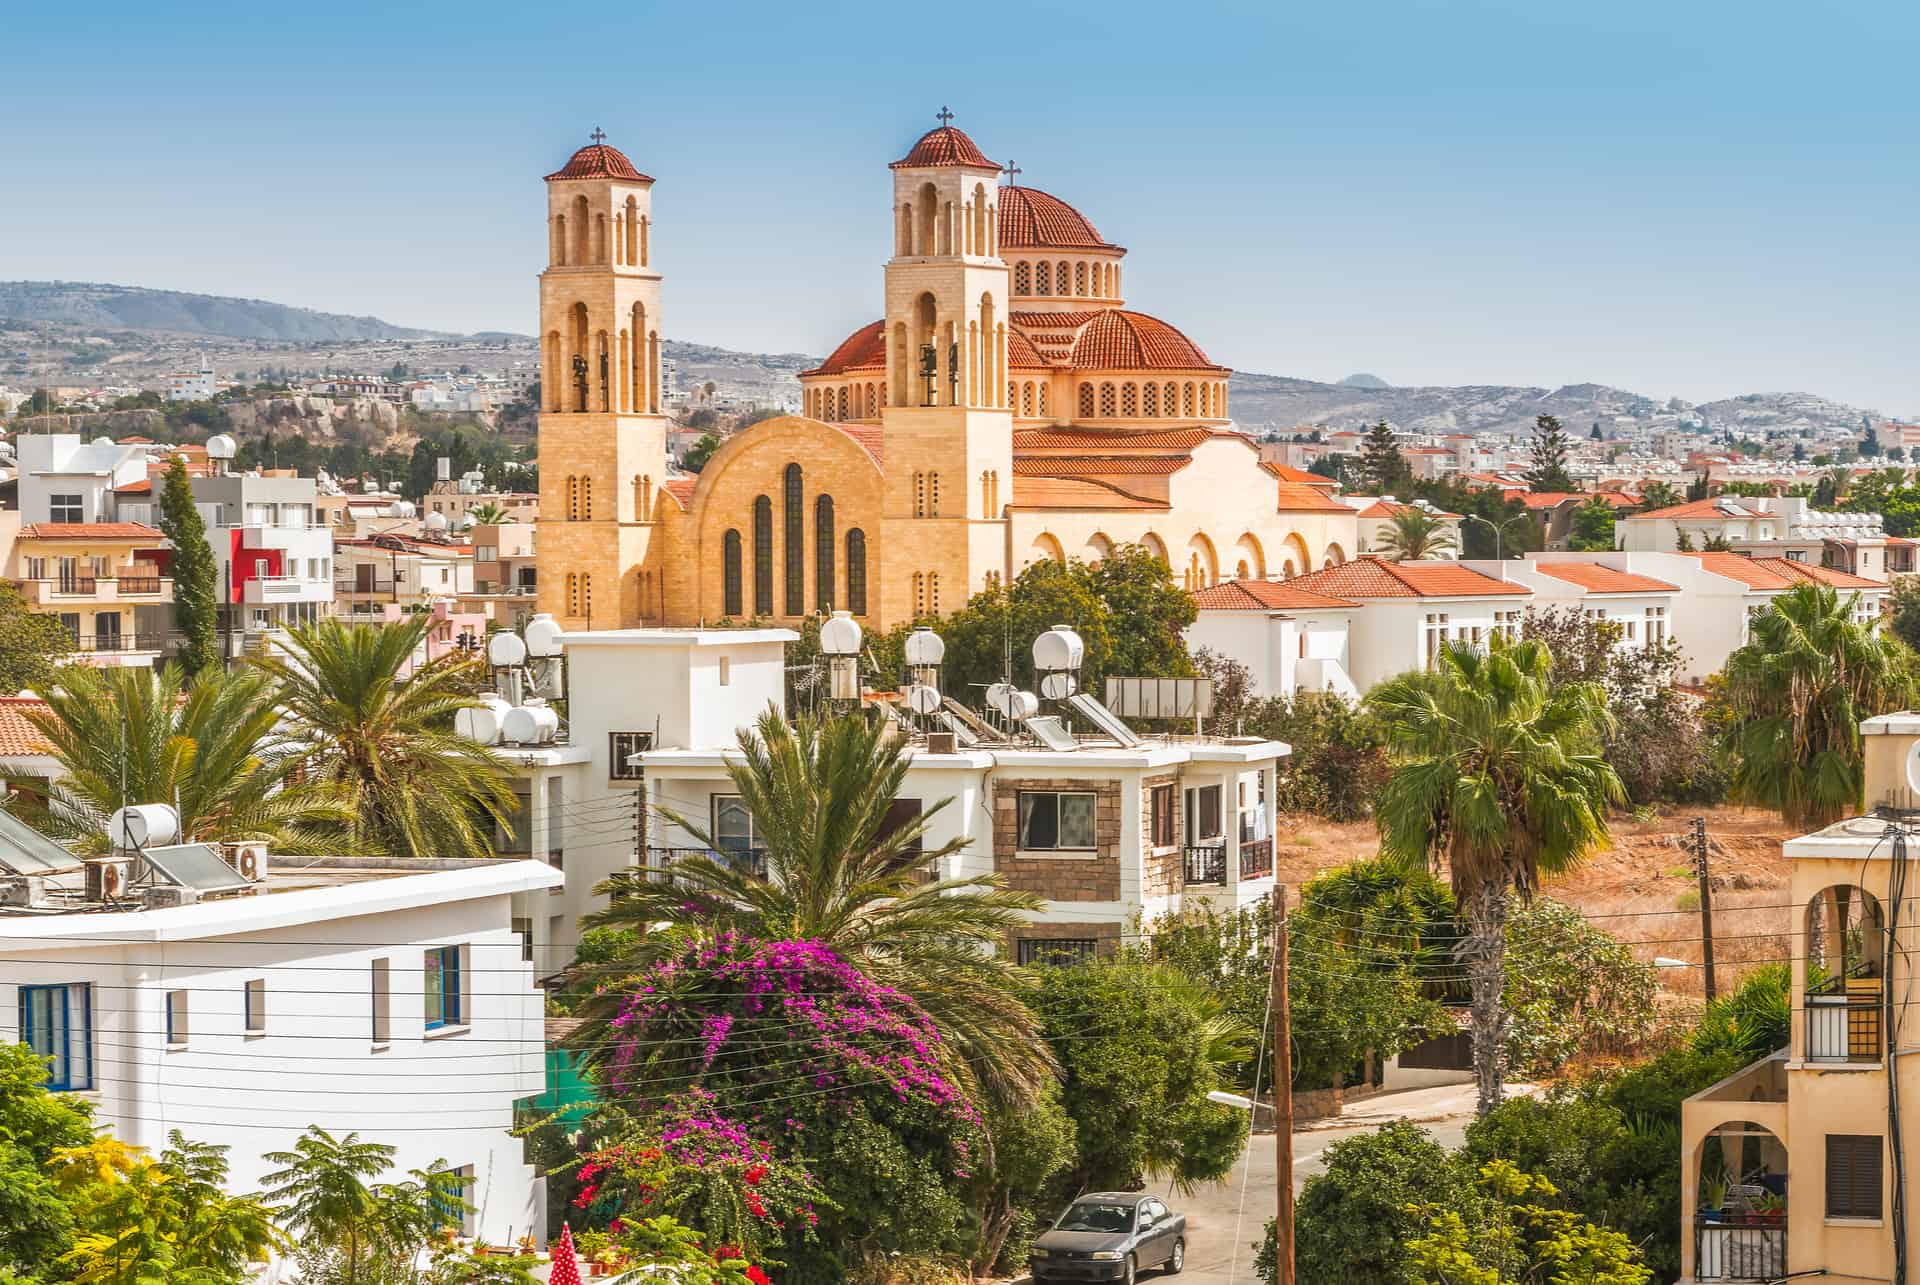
(1030, 218)
(943, 145)
(1120, 340)
(597, 160)
(864, 349)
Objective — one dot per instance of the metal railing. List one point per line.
(1739, 1247)
(107, 644)
(1844, 1020)
(1256, 858)
(753, 860)
(1206, 863)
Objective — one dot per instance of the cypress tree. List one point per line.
(195, 598)
(1381, 461)
(1549, 471)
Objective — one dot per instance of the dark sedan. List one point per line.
(1110, 1236)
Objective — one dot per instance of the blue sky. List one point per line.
(1694, 198)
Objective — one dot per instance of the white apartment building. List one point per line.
(193, 386)
(65, 479)
(1778, 526)
(1644, 607)
(389, 569)
(396, 1003)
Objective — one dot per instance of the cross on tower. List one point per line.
(599, 135)
(943, 116)
(1013, 174)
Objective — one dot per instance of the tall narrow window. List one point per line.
(381, 1002)
(442, 988)
(795, 522)
(857, 572)
(176, 1018)
(256, 1006)
(730, 573)
(823, 553)
(762, 556)
(56, 1022)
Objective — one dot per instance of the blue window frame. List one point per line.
(57, 1023)
(443, 987)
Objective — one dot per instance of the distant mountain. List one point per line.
(112, 307)
(1364, 380)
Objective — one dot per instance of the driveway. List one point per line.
(1229, 1216)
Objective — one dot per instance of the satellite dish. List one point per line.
(1058, 649)
(1058, 686)
(506, 649)
(922, 699)
(543, 635)
(1913, 767)
(840, 635)
(436, 522)
(924, 647)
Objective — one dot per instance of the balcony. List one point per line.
(1843, 1020)
(115, 644)
(261, 590)
(752, 860)
(1256, 858)
(1739, 1246)
(1206, 863)
(75, 589)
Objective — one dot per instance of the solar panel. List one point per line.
(1103, 718)
(194, 865)
(974, 723)
(25, 851)
(1052, 733)
(962, 734)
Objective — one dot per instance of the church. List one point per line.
(1008, 407)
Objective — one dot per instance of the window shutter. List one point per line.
(1853, 1175)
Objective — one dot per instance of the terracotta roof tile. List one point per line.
(944, 145)
(91, 531)
(1022, 355)
(1385, 508)
(1287, 473)
(1097, 465)
(1030, 218)
(1595, 578)
(1122, 340)
(1054, 320)
(1374, 578)
(1298, 497)
(19, 738)
(597, 160)
(1548, 499)
(1780, 573)
(1711, 508)
(1813, 571)
(864, 349)
(1030, 492)
(1105, 439)
(681, 489)
(143, 487)
(1264, 595)
(870, 439)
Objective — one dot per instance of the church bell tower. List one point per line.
(603, 447)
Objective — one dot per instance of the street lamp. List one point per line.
(1496, 528)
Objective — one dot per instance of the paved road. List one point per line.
(1229, 1216)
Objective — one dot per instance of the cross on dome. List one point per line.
(1013, 174)
(599, 135)
(944, 116)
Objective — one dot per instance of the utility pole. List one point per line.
(1706, 904)
(1282, 1095)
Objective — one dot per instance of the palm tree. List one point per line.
(1414, 534)
(489, 514)
(209, 746)
(1659, 495)
(843, 869)
(383, 737)
(1499, 778)
(1796, 694)
(354, 1228)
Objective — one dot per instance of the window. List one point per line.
(733, 601)
(448, 1204)
(1161, 827)
(1853, 1175)
(556, 823)
(1656, 625)
(1436, 634)
(762, 556)
(442, 987)
(381, 1002)
(56, 1022)
(176, 1018)
(523, 929)
(1204, 813)
(514, 833)
(794, 513)
(64, 508)
(857, 572)
(36, 568)
(1054, 950)
(726, 670)
(732, 824)
(1051, 822)
(622, 746)
(901, 812)
(823, 553)
(256, 1007)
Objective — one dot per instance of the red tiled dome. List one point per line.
(1120, 340)
(1021, 354)
(944, 145)
(1032, 218)
(864, 349)
(597, 160)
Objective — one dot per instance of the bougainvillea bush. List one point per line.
(812, 1060)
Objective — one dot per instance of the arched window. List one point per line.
(1172, 402)
(986, 496)
(600, 238)
(633, 231)
(1106, 401)
(823, 553)
(730, 580)
(1150, 400)
(857, 572)
(919, 594)
(1043, 398)
(762, 556)
(933, 494)
(1022, 278)
(586, 596)
(559, 240)
(1186, 400)
(1026, 398)
(1060, 276)
(1080, 278)
(1086, 400)
(646, 226)
(573, 498)
(1130, 399)
(1043, 278)
(796, 541)
(586, 499)
(933, 593)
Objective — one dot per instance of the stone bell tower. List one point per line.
(603, 447)
(948, 422)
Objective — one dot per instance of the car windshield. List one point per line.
(1097, 1215)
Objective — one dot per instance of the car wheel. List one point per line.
(1127, 1273)
(1177, 1260)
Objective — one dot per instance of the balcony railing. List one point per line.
(108, 644)
(1256, 858)
(1739, 1247)
(1206, 863)
(752, 860)
(1843, 1020)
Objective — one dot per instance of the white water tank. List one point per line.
(543, 635)
(143, 825)
(1058, 649)
(221, 447)
(840, 635)
(924, 647)
(530, 725)
(483, 722)
(505, 649)
(436, 522)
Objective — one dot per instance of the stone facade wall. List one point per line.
(1161, 872)
(1077, 877)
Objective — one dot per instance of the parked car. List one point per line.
(1110, 1236)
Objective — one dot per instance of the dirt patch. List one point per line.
(1642, 889)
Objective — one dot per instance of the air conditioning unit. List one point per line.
(23, 891)
(107, 879)
(250, 859)
(942, 743)
(163, 896)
